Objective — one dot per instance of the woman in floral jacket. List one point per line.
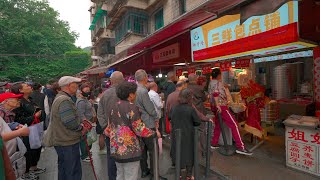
(124, 128)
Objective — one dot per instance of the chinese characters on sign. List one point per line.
(225, 66)
(302, 149)
(167, 53)
(242, 63)
(191, 70)
(236, 31)
(206, 69)
(178, 72)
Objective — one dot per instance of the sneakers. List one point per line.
(86, 159)
(29, 176)
(102, 152)
(38, 171)
(216, 146)
(244, 152)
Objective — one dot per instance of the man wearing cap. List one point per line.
(8, 102)
(65, 130)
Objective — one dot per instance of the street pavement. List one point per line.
(49, 161)
(267, 162)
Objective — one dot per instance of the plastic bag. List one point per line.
(160, 145)
(35, 136)
(92, 136)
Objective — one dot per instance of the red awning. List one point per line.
(204, 13)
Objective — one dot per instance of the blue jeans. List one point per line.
(69, 165)
(112, 168)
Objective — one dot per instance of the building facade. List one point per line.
(127, 22)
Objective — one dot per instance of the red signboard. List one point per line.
(282, 35)
(242, 63)
(206, 69)
(191, 70)
(316, 75)
(167, 53)
(225, 66)
(178, 72)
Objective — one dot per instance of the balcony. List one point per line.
(120, 7)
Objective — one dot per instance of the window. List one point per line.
(132, 22)
(158, 19)
(182, 6)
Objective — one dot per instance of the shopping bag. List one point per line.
(92, 136)
(160, 145)
(168, 125)
(35, 136)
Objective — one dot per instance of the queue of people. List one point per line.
(129, 115)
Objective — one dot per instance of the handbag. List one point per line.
(36, 133)
(92, 136)
(168, 125)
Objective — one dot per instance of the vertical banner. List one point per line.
(316, 75)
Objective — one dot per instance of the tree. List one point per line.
(32, 27)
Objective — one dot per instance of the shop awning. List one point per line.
(126, 58)
(94, 70)
(209, 10)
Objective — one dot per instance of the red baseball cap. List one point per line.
(9, 95)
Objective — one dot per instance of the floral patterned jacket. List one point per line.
(125, 127)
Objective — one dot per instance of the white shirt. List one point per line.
(157, 102)
(11, 145)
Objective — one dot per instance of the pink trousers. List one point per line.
(230, 121)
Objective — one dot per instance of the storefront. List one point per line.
(277, 51)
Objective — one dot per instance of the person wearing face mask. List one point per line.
(85, 111)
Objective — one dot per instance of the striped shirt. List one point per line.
(68, 116)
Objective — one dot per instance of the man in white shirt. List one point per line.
(155, 98)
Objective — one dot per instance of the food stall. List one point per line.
(271, 54)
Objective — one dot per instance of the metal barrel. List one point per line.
(225, 143)
(178, 153)
(155, 160)
(209, 134)
(196, 151)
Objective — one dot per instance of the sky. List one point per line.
(76, 13)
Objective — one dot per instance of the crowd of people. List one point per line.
(128, 116)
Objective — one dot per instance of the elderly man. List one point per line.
(108, 99)
(66, 129)
(149, 116)
(156, 100)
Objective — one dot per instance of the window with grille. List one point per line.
(158, 19)
(182, 6)
(132, 22)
